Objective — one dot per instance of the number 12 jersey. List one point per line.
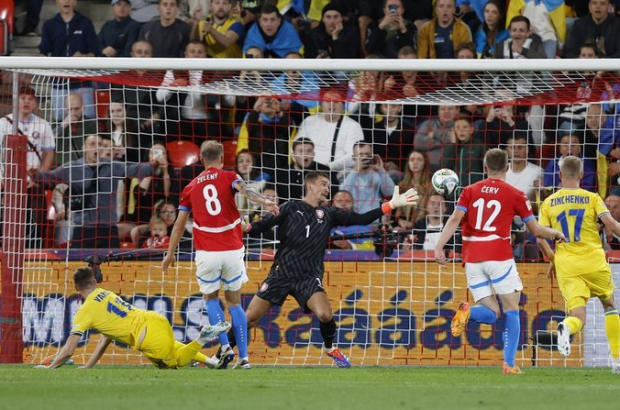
(490, 206)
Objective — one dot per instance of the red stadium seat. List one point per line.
(103, 104)
(417, 255)
(613, 256)
(7, 12)
(182, 153)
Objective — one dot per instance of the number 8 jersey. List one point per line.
(574, 212)
(490, 206)
(210, 197)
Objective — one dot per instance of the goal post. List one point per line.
(108, 122)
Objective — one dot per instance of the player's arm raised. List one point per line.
(65, 353)
(175, 238)
(446, 233)
(254, 196)
(103, 344)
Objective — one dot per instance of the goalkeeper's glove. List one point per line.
(398, 200)
(246, 226)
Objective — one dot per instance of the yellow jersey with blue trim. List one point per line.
(107, 313)
(217, 50)
(574, 212)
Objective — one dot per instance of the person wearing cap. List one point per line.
(118, 35)
(333, 38)
(392, 32)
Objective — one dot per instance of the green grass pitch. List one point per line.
(292, 388)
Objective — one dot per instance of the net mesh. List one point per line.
(392, 303)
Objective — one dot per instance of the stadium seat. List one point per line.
(7, 17)
(182, 153)
(417, 255)
(613, 256)
(103, 104)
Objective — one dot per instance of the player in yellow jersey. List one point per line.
(579, 263)
(146, 331)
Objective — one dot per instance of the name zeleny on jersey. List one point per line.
(570, 199)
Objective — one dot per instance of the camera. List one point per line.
(208, 19)
(393, 8)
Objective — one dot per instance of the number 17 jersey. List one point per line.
(574, 212)
(490, 206)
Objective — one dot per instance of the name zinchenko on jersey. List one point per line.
(570, 199)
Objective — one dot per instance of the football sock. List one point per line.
(512, 334)
(185, 353)
(216, 314)
(574, 324)
(612, 328)
(240, 328)
(328, 332)
(482, 314)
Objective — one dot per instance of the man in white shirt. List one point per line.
(332, 132)
(41, 138)
(521, 174)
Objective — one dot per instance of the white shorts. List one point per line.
(226, 267)
(486, 278)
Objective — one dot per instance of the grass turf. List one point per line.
(147, 388)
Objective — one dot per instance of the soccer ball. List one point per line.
(445, 181)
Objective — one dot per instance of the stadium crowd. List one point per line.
(105, 156)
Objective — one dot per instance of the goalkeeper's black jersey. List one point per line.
(303, 231)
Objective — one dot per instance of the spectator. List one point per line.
(252, 176)
(70, 133)
(465, 153)
(305, 84)
(426, 231)
(146, 193)
(168, 212)
(522, 174)
(392, 33)
(344, 200)
(141, 102)
(168, 35)
(69, 34)
(368, 182)
(272, 35)
(333, 38)
(290, 180)
(492, 31)
(434, 133)
(522, 43)
(439, 37)
(125, 136)
(599, 139)
(599, 27)
(192, 11)
(33, 13)
(39, 157)
(332, 132)
(220, 31)
(118, 35)
(548, 21)
(569, 145)
(391, 136)
(159, 238)
(416, 175)
(198, 114)
(92, 184)
(501, 124)
(613, 204)
(266, 130)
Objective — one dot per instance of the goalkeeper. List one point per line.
(148, 332)
(304, 231)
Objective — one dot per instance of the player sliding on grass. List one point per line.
(489, 207)
(579, 263)
(218, 240)
(148, 332)
(304, 230)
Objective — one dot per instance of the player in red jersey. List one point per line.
(486, 210)
(217, 230)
